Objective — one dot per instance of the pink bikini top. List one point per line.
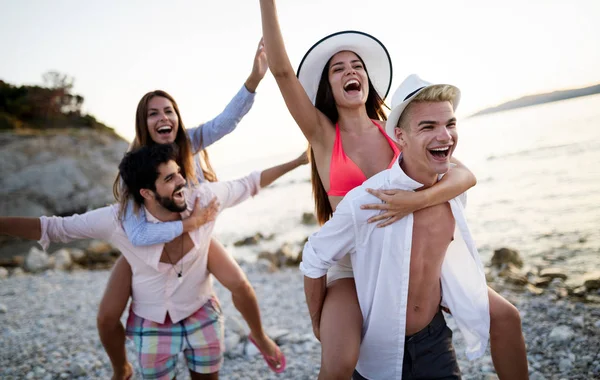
(344, 174)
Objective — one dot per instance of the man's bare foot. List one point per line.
(269, 348)
(124, 373)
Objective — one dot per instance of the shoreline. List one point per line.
(48, 326)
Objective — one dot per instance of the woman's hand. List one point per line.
(201, 215)
(259, 67)
(396, 205)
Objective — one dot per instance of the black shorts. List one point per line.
(428, 354)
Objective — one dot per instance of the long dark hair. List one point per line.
(142, 138)
(325, 103)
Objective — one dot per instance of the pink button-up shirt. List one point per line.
(156, 289)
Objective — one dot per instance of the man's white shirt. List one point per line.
(381, 261)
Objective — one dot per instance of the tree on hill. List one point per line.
(53, 105)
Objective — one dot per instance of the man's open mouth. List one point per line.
(442, 152)
(352, 86)
(164, 130)
(178, 194)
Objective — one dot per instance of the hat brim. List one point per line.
(372, 52)
(394, 116)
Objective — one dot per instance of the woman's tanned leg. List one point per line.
(506, 339)
(340, 330)
(110, 328)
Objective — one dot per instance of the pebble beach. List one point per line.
(48, 330)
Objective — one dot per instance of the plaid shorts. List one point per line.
(199, 337)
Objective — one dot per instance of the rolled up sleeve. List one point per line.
(331, 243)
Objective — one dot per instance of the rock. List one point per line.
(592, 280)
(12, 262)
(251, 240)
(77, 255)
(62, 259)
(597, 324)
(3, 273)
(284, 256)
(235, 326)
(3, 309)
(534, 290)
(36, 260)
(541, 282)
(77, 369)
(512, 274)
(100, 252)
(560, 335)
(265, 266)
(18, 272)
(231, 342)
(565, 365)
(489, 275)
(578, 321)
(537, 376)
(505, 256)
(308, 218)
(592, 298)
(579, 292)
(553, 273)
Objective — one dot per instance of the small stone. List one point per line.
(542, 282)
(251, 350)
(597, 324)
(3, 309)
(77, 255)
(62, 259)
(250, 240)
(565, 364)
(17, 272)
(592, 298)
(30, 375)
(578, 321)
(308, 218)
(36, 260)
(579, 292)
(77, 369)
(560, 334)
(553, 273)
(592, 280)
(265, 266)
(234, 325)
(39, 371)
(231, 342)
(534, 290)
(506, 256)
(537, 376)
(3, 273)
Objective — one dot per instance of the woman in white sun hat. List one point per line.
(337, 101)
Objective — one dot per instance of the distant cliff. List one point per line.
(532, 100)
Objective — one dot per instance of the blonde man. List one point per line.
(398, 268)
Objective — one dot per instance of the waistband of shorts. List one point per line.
(435, 325)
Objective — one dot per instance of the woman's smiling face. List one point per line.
(162, 120)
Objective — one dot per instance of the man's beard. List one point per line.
(169, 202)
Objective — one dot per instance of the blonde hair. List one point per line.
(436, 93)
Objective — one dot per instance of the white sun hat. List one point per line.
(406, 92)
(372, 52)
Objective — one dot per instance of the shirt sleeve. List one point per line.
(140, 232)
(331, 243)
(231, 193)
(463, 199)
(212, 131)
(97, 224)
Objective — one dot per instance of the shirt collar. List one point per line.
(399, 179)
